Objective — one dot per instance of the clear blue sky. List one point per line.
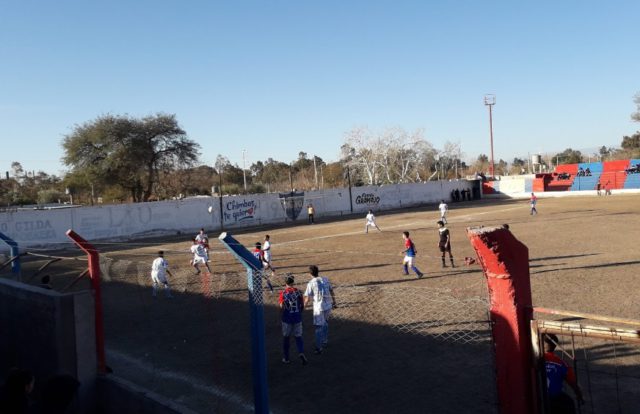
(279, 77)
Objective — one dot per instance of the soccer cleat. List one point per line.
(303, 359)
(420, 275)
(318, 351)
(405, 274)
(285, 361)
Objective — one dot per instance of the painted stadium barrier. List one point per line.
(125, 221)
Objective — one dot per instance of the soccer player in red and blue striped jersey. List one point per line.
(292, 305)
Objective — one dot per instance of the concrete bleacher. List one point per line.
(558, 184)
(633, 180)
(613, 174)
(586, 182)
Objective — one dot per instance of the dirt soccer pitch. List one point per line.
(397, 344)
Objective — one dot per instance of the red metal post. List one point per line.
(505, 262)
(94, 274)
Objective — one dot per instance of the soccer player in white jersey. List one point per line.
(199, 256)
(203, 239)
(159, 270)
(443, 211)
(371, 221)
(266, 250)
(319, 290)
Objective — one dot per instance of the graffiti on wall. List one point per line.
(368, 199)
(292, 203)
(31, 229)
(237, 211)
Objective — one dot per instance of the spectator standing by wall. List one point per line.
(311, 212)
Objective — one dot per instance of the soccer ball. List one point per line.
(210, 209)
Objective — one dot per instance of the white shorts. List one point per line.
(408, 260)
(198, 260)
(321, 318)
(159, 279)
(289, 329)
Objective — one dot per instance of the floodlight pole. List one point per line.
(15, 254)
(490, 100)
(258, 347)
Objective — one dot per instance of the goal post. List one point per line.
(258, 346)
(15, 254)
(94, 274)
(505, 264)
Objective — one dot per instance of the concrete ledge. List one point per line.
(556, 194)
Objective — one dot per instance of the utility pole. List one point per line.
(315, 170)
(350, 196)
(244, 170)
(291, 177)
(490, 100)
(220, 198)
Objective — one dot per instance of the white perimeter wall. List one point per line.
(124, 221)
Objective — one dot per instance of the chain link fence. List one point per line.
(607, 366)
(391, 345)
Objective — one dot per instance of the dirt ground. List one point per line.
(396, 343)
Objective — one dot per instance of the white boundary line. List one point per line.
(170, 375)
(466, 217)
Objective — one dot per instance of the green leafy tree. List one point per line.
(129, 152)
(630, 146)
(636, 115)
(568, 156)
(631, 143)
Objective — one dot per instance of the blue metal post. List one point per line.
(15, 254)
(258, 348)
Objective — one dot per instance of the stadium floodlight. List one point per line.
(490, 100)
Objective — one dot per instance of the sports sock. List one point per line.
(406, 269)
(444, 264)
(415, 269)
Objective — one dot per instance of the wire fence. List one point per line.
(606, 360)
(194, 347)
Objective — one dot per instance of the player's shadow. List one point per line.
(593, 266)
(406, 279)
(369, 266)
(456, 272)
(171, 343)
(303, 266)
(569, 256)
